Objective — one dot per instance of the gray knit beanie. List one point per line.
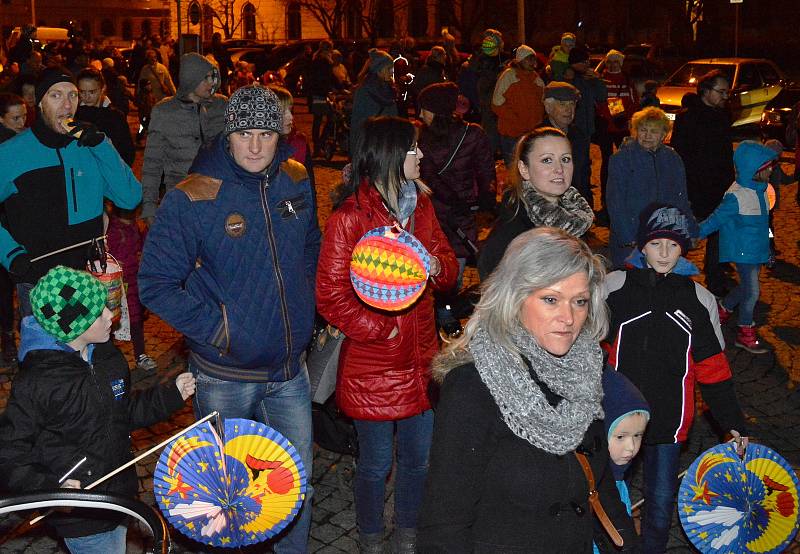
(253, 107)
(194, 68)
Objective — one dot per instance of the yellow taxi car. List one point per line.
(754, 82)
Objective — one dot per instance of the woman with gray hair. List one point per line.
(518, 442)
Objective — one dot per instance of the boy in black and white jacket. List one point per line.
(665, 337)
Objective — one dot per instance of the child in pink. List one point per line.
(125, 242)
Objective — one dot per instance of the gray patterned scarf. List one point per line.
(576, 377)
(571, 213)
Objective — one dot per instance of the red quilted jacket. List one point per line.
(380, 378)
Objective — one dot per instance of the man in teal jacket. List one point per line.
(55, 176)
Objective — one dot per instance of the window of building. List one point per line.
(249, 21)
(193, 13)
(107, 28)
(417, 18)
(294, 22)
(384, 22)
(147, 27)
(352, 21)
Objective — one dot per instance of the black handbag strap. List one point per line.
(458, 147)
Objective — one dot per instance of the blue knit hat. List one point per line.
(621, 398)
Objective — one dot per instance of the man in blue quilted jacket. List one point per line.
(230, 262)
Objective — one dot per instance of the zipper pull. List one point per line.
(291, 209)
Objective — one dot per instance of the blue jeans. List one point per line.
(375, 439)
(110, 542)
(284, 406)
(745, 295)
(660, 487)
(24, 299)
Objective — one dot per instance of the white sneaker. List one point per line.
(146, 363)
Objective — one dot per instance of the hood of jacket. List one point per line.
(683, 267)
(215, 160)
(748, 157)
(34, 337)
(194, 68)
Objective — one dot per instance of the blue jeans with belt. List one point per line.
(375, 448)
(283, 405)
(661, 462)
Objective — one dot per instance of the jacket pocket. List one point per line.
(293, 207)
(221, 339)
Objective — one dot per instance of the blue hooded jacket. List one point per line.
(33, 337)
(742, 217)
(230, 262)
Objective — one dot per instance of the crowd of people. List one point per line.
(512, 434)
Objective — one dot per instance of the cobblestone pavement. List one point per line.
(766, 385)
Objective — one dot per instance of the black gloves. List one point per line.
(86, 133)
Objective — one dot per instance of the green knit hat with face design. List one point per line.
(67, 301)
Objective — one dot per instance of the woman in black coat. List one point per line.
(458, 166)
(520, 404)
(540, 195)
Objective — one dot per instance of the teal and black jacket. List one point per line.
(52, 191)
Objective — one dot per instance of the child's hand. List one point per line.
(186, 384)
(71, 484)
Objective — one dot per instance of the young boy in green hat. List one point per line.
(72, 400)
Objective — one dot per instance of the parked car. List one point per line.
(292, 73)
(754, 82)
(778, 113)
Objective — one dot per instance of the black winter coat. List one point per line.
(62, 409)
(489, 491)
(467, 182)
(702, 136)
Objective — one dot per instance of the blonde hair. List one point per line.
(650, 114)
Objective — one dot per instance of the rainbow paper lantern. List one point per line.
(389, 268)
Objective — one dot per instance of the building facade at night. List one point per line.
(121, 19)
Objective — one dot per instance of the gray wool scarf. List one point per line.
(571, 213)
(576, 377)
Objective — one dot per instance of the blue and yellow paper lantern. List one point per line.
(389, 268)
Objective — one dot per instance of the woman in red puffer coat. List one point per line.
(384, 361)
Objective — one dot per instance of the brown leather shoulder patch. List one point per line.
(200, 187)
(295, 170)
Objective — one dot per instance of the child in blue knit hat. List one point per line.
(626, 416)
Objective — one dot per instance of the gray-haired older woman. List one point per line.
(520, 395)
